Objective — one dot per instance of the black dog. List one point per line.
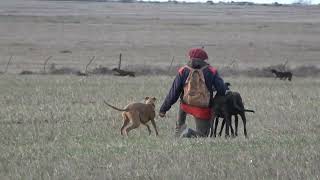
(282, 75)
(221, 110)
(225, 107)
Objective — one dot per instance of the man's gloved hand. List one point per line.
(162, 114)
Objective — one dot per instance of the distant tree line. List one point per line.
(124, 1)
(210, 2)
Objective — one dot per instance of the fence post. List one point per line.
(45, 63)
(119, 65)
(8, 64)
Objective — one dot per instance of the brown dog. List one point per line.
(138, 113)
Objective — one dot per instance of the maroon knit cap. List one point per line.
(198, 53)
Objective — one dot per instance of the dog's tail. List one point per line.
(240, 107)
(249, 110)
(244, 110)
(114, 107)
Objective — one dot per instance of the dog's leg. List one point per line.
(133, 126)
(125, 122)
(154, 126)
(211, 126)
(216, 126)
(236, 124)
(135, 119)
(148, 127)
(231, 128)
(228, 124)
(244, 120)
(144, 122)
(222, 126)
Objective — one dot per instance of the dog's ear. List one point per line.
(146, 98)
(154, 98)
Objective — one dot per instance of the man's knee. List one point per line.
(203, 127)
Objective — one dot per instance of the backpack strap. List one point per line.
(183, 68)
(200, 71)
(212, 69)
(188, 67)
(204, 67)
(190, 73)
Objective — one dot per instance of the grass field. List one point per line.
(48, 131)
(151, 34)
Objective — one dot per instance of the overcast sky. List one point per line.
(260, 1)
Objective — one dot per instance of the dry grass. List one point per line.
(151, 34)
(50, 130)
(45, 135)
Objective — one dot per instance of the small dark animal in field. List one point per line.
(282, 75)
(80, 73)
(138, 113)
(65, 51)
(121, 72)
(26, 73)
(225, 107)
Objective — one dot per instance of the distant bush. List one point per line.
(302, 2)
(276, 4)
(127, 1)
(210, 2)
(242, 3)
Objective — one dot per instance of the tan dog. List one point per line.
(138, 113)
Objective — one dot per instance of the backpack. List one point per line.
(196, 92)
